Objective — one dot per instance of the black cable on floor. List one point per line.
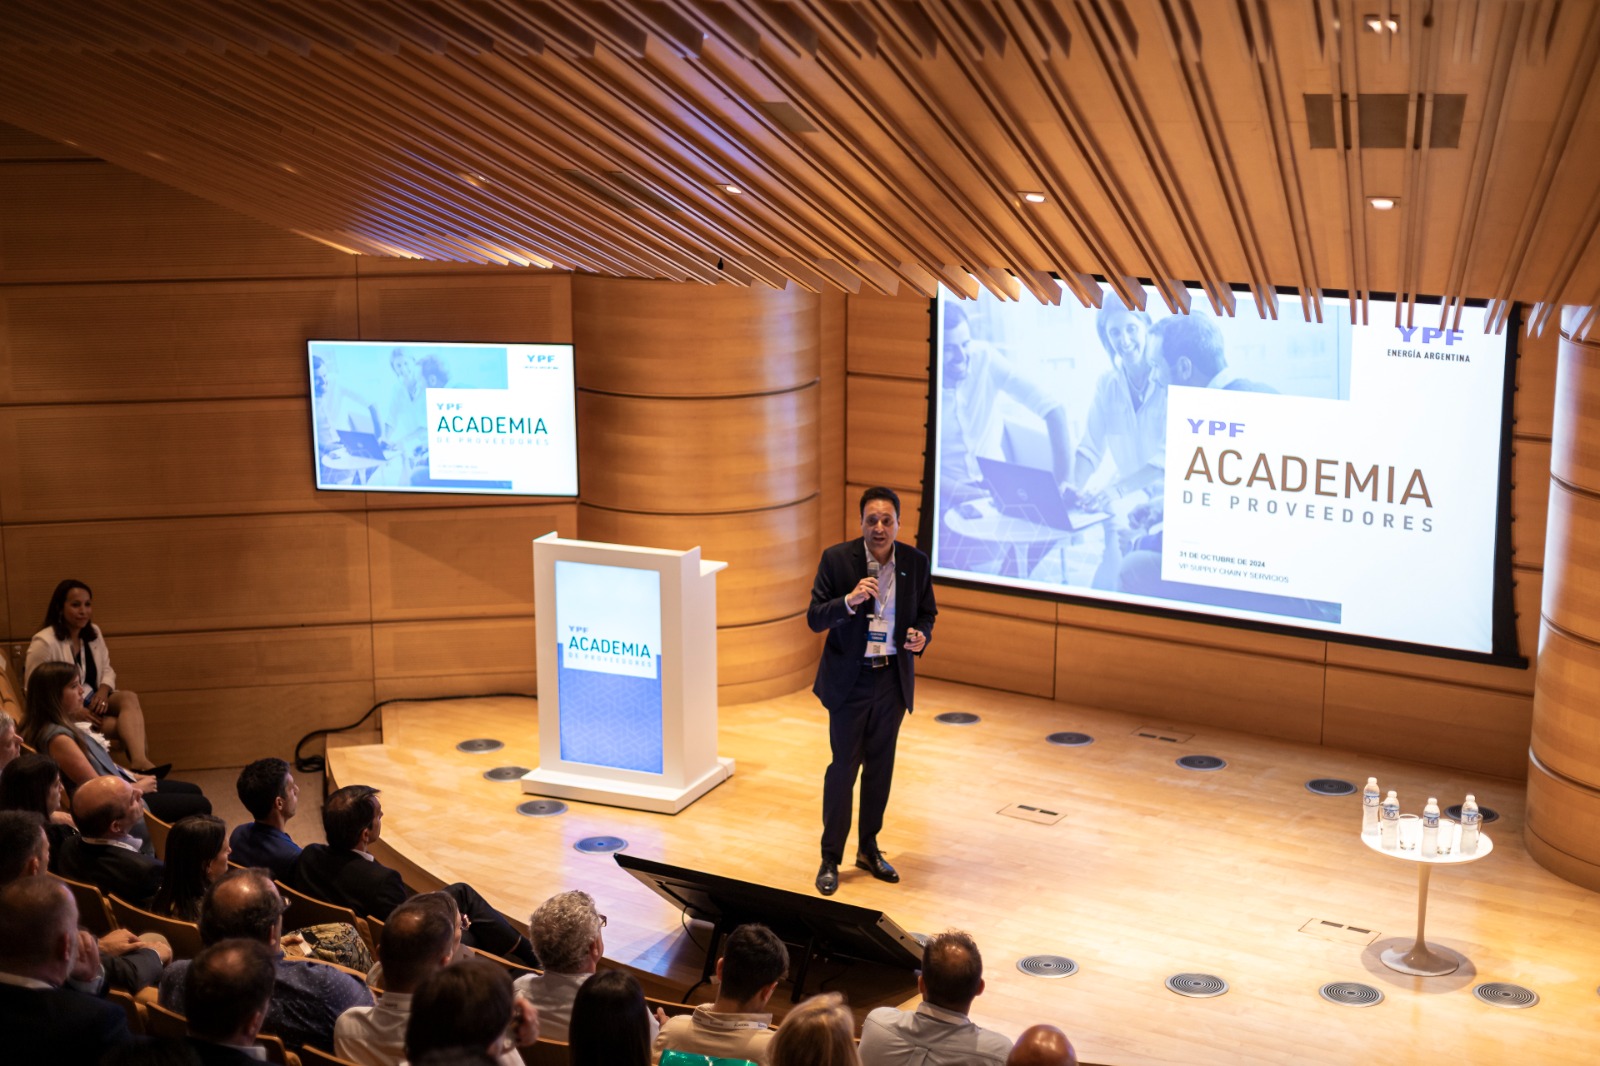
(316, 764)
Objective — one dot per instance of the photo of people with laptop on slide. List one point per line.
(1052, 433)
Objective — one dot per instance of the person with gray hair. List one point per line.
(938, 1032)
(566, 934)
(10, 741)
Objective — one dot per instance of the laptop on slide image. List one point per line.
(1030, 493)
(362, 445)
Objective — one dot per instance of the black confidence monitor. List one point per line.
(824, 926)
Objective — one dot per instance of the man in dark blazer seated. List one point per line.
(874, 599)
(343, 871)
(40, 948)
(226, 993)
(109, 854)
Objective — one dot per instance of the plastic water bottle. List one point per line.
(1371, 798)
(1390, 828)
(1471, 819)
(1430, 828)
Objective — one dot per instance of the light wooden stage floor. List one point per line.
(1153, 871)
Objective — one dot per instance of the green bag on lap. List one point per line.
(685, 1058)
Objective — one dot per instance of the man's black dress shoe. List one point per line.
(828, 878)
(876, 865)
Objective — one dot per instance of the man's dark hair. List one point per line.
(952, 970)
(467, 1004)
(416, 936)
(226, 984)
(346, 813)
(878, 492)
(1195, 337)
(21, 834)
(26, 781)
(34, 911)
(250, 907)
(752, 959)
(455, 1056)
(260, 784)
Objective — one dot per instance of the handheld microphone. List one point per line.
(872, 571)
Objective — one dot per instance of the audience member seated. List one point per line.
(10, 739)
(268, 792)
(41, 947)
(197, 854)
(33, 783)
(737, 1025)
(126, 961)
(108, 854)
(1042, 1045)
(226, 993)
(307, 996)
(566, 935)
(468, 1005)
(819, 1032)
(938, 1032)
(422, 936)
(343, 871)
(55, 706)
(71, 638)
(610, 1025)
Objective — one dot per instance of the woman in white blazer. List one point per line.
(70, 636)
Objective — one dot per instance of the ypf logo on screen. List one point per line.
(1437, 345)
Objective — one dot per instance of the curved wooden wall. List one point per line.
(699, 414)
(1563, 830)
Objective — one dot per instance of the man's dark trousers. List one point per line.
(862, 732)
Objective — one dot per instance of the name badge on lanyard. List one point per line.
(877, 635)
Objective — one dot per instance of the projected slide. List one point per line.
(608, 622)
(1335, 477)
(484, 418)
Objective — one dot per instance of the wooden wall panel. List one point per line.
(1536, 382)
(217, 660)
(459, 563)
(1200, 634)
(910, 512)
(514, 306)
(166, 341)
(762, 661)
(1564, 731)
(975, 648)
(1428, 721)
(635, 338)
(1530, 501)
(90, 221)
(1571, 588)
(458, 657)
(17, 143)
(1012, 604)
(1201, 685)
(231, 725)
(889, 336)
(1562, 813)
(686, 456)
(886, 427)
(771, 555)
(833, 343)
(166, 575)
(145, 460)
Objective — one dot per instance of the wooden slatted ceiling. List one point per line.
(879, 145)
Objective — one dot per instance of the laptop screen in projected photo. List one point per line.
(412, 416)
(1342, 479)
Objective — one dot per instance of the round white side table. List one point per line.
(1422, 961)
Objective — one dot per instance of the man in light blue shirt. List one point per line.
(938, 1032)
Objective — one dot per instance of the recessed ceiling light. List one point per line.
(1381, 203)
(475, 179)
(1034, 197)
(287, 168)
(1379, 24)
(729, 187)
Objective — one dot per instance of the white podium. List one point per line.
(627, 675)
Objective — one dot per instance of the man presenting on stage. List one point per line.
(874, 598)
